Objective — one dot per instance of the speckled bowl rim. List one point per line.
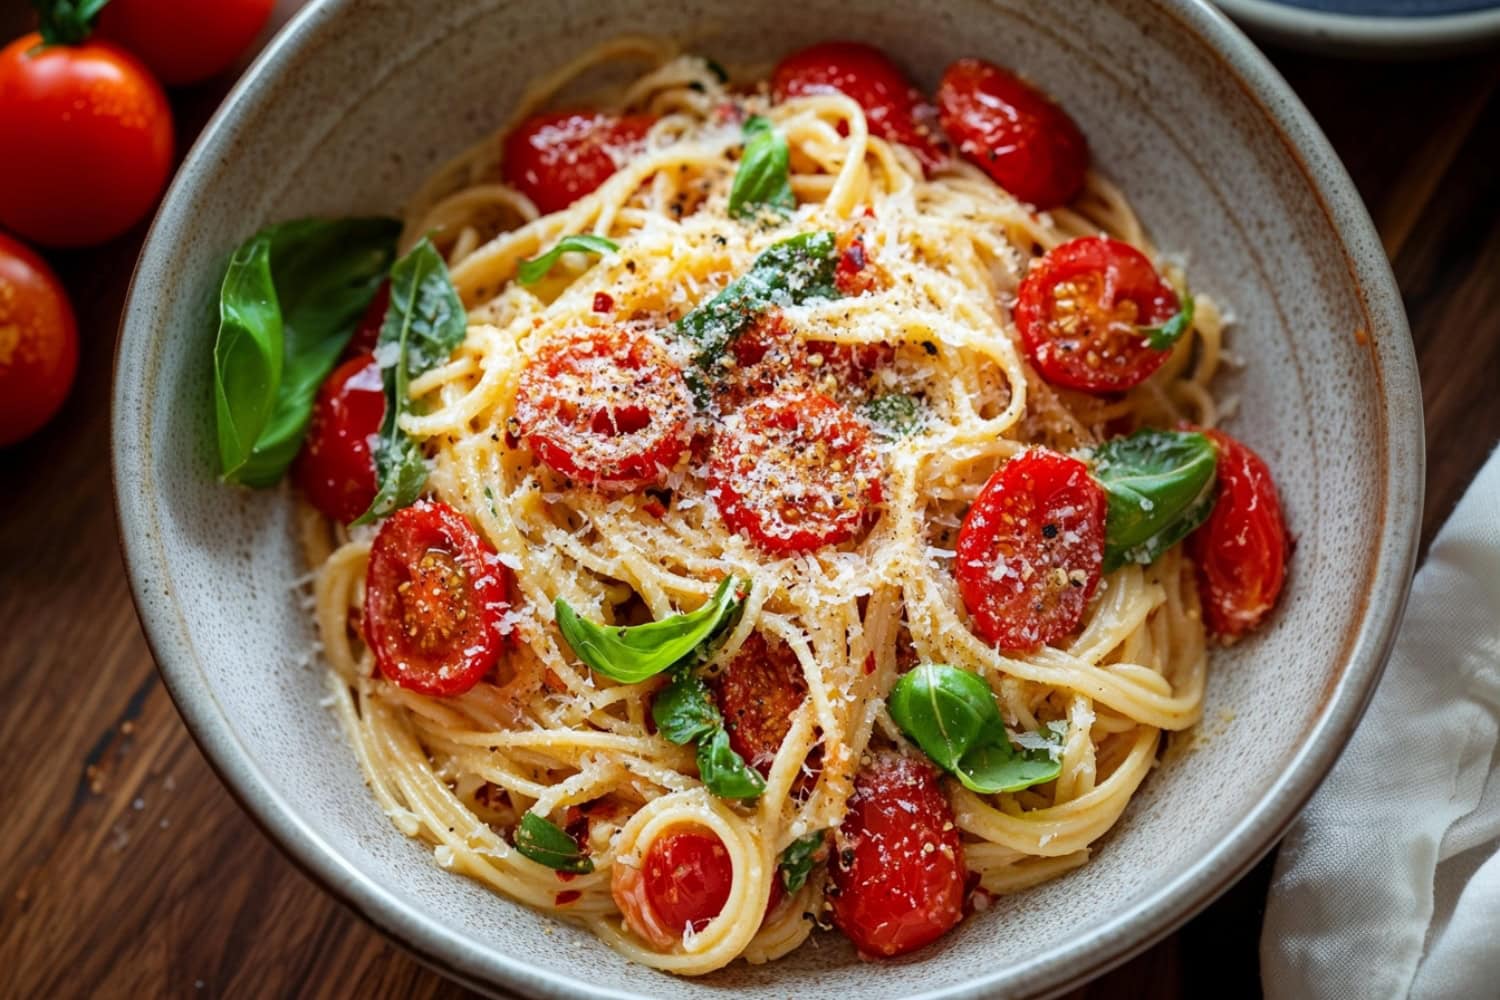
(1070, 963)
(1373, 36)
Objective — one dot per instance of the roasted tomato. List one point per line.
(1083, 310)
(1031, 550)
(607, 407)
(682, 883)
(758, 693)
(556, 158)
(795, 471)
(38, 342)
(335, 469)
(367, 334)
(1241, 550)
(1013, 132)
(898, 865)
(894, 109)
(436, 597)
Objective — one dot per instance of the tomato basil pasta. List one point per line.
(755, 506)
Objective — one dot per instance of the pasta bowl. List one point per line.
(355, 103)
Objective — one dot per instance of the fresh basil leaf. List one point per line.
(534, 270)
(763, 182)
(1160, 485)
(548, 844)
(632, 653)
(424, 324)
(724, 772)
(896, 415)
(795, 270)
(291, 298)
(797, 860)
(951, 714)
(1164, 336)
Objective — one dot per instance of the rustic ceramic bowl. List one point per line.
(358, 99)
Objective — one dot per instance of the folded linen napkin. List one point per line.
(1388, 884)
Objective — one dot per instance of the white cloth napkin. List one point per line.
(1388, 885)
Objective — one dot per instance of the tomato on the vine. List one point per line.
(558, 157)
(185, 41)
(682, 883)
(38, 342)
(335, 468)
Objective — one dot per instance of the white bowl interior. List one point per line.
(370, 96)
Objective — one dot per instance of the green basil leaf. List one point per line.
(951, 714)
(548, 844)
(1164, 336)
(797, 860)
(291, 298)
(795, 270)
(1160, 485)
(534, 270)
(424, 324)
(684, 711)
(724, 772)
(763, 182)
(896, 415)
(632, 653)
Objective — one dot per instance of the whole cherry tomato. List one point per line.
(681, 884)
(38, 342)
(86, 136)
(335, 469)
(1013, 132)
(556, 158)
(184, 41)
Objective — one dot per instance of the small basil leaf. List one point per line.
(1164, 336)
(684, 711)
(951, 714)
(724, 772)
(534, 270)
(290, 300)
(799, 857)
(763, 181)
(1160, 485)
(548, 844)
(896, 415)
(424, 324)
(632, 653)
(793, 271)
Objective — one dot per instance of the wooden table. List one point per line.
(128, 870)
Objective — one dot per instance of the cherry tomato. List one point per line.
(682, 883)
(769, 356)
(894, 109)
(87, 140)
(1031, 550)
(335, 469)
(38, 342)
(795, 471)
(606, 406)
(436, 597)
(367, 334)
(898, 865)
(1241, 550)
(184, 41)
(1081, 311)
(758, 693)
(556, 158)
(1013, 132)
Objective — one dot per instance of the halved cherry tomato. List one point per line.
(367, 334)
(894, 109)
(769, 356)
(436, 596)
(1013, 132)
(795, 471)
(1241, 550)
(335, 469)
(558, 157)
(758, 693)
(1031, 550)
(184, 41)
(87, 140)
(1081, 311)
(682, 883)
(898, 864)
(606, 406)
(38, 342)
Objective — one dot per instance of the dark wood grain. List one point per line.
(128, 870)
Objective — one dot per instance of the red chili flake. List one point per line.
(565, 876)
(570, 896)
(603, 302)
(654, 508)
(870, 663)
